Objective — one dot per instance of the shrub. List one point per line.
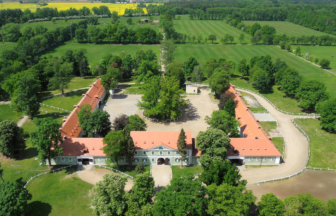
(316, 60)
(324, 63)
(140, 168)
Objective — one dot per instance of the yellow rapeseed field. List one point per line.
(120, 8)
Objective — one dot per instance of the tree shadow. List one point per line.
(27, 153)
(253, 210)
(19, 181)
(119, 96)
(39, 208)
(68, 170)
(158, 188)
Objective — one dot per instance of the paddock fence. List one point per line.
(115, 170)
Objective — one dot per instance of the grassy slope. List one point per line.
(207, 27)
(97, 51)
(322, 144)
(320, 52)
(288, 28)
(54, 194)
(186, 170)
(8, 113)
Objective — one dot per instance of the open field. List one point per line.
(207, 27)
(186, 170)
(8, 113)
(97, 51)
(320, 52)
(322, 144)
(288, 28)
(59, 194)
(120, 8)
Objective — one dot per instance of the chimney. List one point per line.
(64, 137)
(257, 120)
(90, 86)
(60, 129)
(83, 95)
(256, 137)
(75, 106)
(64, 120)
(270, 138)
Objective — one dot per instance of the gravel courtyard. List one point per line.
(192, 118)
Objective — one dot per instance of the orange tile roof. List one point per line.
(70, 128)
(151, 139)
(76, 146)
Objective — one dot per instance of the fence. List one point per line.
(155, 120)
(297, 173)
(54, 107)
(54, 113)
(291, 113)
(31, 178)
(115, 170)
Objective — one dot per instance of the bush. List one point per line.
(140, 168)
(283, 44)
(288, 47)
(324, 63)
(316, 60)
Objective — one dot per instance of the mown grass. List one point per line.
(126, 169)
(66, 102)
(279, 143)
(322, 144)
(186, 170)
(58, 194)
(288, 28)
(9, 113)
(320, 52)
(268, 125)
(208, 27)
(97, 51)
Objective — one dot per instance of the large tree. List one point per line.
(46, 137)
(243, 67)
(143, 189)
(220, 119)
(11, 138)
(129, 150)
(114, 145)
(182, 146)
(175, 69)
(310, 93)
(230, 107)
(62, 74)
(111, 78)
(120, 122)
(229, 200)
(214, 145)
(189, 66)
(135, 123)
(13, 199)
(184, 196)
(26, 96)
(304, 204)
(327, 111)
(146, 70)
(99, 123)
(167, 47)
(150, 99)
(220, 81)
(197, 75)
(108, 196)
(220, 172)
(83, 117)
(269, 204)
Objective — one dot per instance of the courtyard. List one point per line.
(192, 118)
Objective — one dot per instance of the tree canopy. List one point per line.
(220, 81)
(114, 145)
(11, 138)
(327, 111)
(222, 120)
(269, 204)
(310, 93)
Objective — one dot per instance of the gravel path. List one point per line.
(22, 121)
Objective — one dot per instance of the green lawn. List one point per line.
(59, 194)
(97, 51)
(268, 125)
(66, 102)
(322, 144)
(253, 109)
(207, 27)
(133, 89)
(279, 143)
(136, 24)
(8, 113)
(320, 52)
(186, 170)
(130, 171)
(288, 28)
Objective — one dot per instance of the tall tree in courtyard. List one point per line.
(220, 81)
(108, 196)
(182, 146)
(120, 122)
(111, 78)
(46, 137)
(189, 66)
(11, 138)
(168, 47)
(26, 98)
(129, 150)
(150, 98)
(135, 123)
(83, 117)
(13, 199)
(99, 123)
(62, 74)
(224, 121)
(114, 145)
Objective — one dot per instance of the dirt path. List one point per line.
(22, 121)
(95, 175)
(162, 175)
(296, 148)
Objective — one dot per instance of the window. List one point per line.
(70, 159)
(144, 153)
(152, 152)
(264, 159)
(135, 152)
(63, 159)
(177, 160)
(152, 159)
(168, 152)
(135, 160)
(176, 152)
(160, 152)
(144, 160)
(160, 148)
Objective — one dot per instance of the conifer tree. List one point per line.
(182, 146)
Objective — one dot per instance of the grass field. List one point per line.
(320, 52)
(288, 28)
(97, 51)
(8, 113)
(207, 27)
(268, 125)
(120, 8)
(59, 194)
(322, 144)
(186, 170)
(67, 102)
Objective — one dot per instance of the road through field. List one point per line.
(296, 148)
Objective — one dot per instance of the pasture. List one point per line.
(208, 27)
(288, 28)
(320, 52)
(97, 51)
